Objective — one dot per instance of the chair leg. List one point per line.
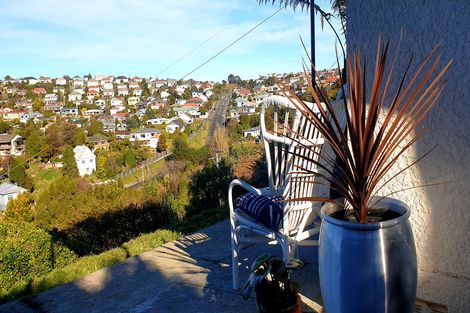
(235, 253)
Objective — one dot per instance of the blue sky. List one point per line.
(143, 37)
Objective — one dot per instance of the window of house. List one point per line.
(83, 161)
(91, 160)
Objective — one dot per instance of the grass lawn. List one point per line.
(200, 139)
(42, 177)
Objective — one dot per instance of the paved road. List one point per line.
(217, 117)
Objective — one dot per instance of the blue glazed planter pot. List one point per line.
(368, 267)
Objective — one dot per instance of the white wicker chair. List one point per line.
(284, 147)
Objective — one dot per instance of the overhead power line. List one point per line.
(190, 52)
(231, 44)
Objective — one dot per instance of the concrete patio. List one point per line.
(192, 274)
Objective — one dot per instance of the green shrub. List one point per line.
(27, 251)
(86, 265)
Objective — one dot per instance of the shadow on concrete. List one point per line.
(192, 274)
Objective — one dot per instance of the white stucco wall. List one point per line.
(440, 214)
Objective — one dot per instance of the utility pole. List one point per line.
(312, 37)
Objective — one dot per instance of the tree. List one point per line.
(95, 128)
(70, 165)
(171, 99)
(162, 143)
(79, 137)
(221, 141)
(129, 159)
(101, 166)
(4, 127)
(149, 114)
(232, 79)
(209, 186)
(132, 122)
(20, 209)
(17, 173)
(34, 143)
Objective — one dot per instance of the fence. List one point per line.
(157, 157)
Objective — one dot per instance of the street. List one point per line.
(217, 116)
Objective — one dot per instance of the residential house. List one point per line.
(186, 118)
(254, 132)
(122, 90)
(11, 90)
(133, 85)
(75, 96)
(249, 107)
(98, 141)
(116, 109)
(274, 88)
(175, 125)
(61, 81)
(159, 121)
(208, 93)
(85, 159)
(91, 94)
(94, 88)
(117, 101)
(149, 136)
(159, 83)
(24, 118)
(244, 92)
(25, 104)
(234, 113)
(77, 82)
(13, 114)
(121, 80)
(192, 110)
(53, 106)
(109, 124)
(70, 112)
(137, 92)
(11, 145)
(39, 91)
(157, 104)
(100, 103)
(132, 101)
(51, 97)
(197, 94)
(30, 80)
(240, 101)
(76, 121)
(107, 82)
(92, 83)
(92, 112)
(108, 92)
(164, 94)
(122, 134)
(181, 88)
(260, 97)
(9, 191)
(196, 100)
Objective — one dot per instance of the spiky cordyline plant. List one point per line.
(380, 126)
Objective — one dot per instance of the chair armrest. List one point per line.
(246, 186)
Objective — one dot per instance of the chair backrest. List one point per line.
(286, 134)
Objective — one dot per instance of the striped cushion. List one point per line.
(264, 209)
